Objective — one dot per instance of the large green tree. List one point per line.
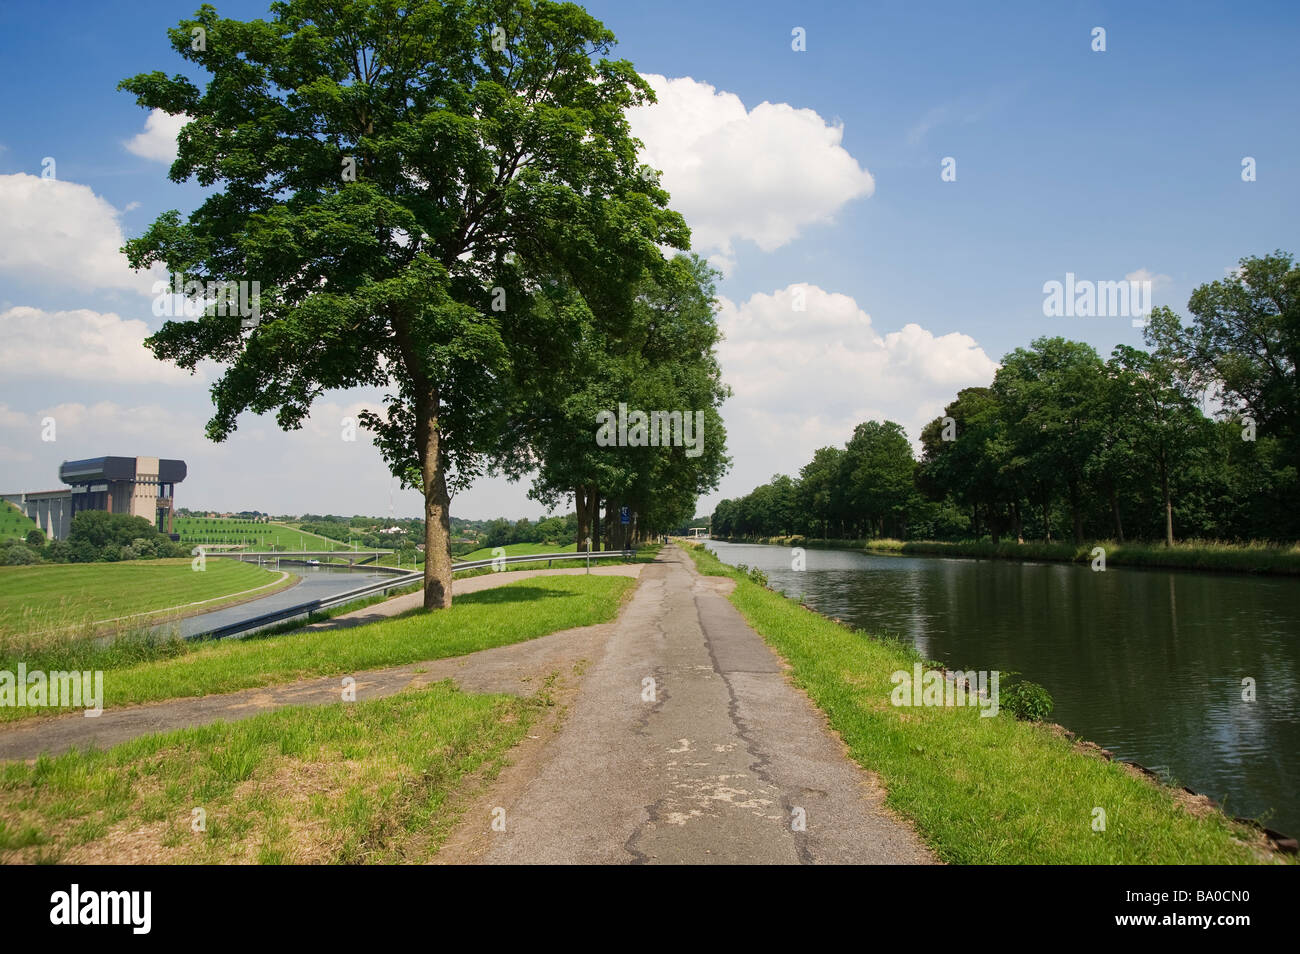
(401, 177)
(879, 473)
(661, 359)
(1053, 397)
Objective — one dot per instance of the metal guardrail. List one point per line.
(383, 586)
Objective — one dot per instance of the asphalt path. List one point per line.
(686, 743)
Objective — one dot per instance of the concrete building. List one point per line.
(141, 486)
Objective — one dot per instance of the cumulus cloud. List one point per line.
(83, 345)
(1144, 275)
(62, 234)
(158, 140)
(761, 175)
(803, 379)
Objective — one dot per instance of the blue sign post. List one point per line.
(623, 515)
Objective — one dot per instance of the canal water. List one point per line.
(1146, 663)
(317, 583)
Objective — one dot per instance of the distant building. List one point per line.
(141, 486)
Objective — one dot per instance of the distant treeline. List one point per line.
(95, 536)
(1065, 445)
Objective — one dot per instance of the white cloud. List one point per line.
(760, 175)
(1144, 275)
(158, 141)
(62, 234)
(82, 345)
(804, 379)
(11, 418)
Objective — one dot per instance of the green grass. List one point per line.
(55, 599)
(1204, 555)
(524, 609)
(367, 782)
(14, 524)
(518, 549)
(979, 790)
(258, 536)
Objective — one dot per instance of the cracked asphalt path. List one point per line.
(723, 762)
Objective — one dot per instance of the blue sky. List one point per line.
(1068, 160)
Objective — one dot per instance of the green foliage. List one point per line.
(17, 554)
(14, 524)
(753, 574)
(410, 209)
(96, 535)
(1026, 700)
(657, 353)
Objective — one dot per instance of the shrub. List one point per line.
(1026, 700)
(754, 574)
(18, 554)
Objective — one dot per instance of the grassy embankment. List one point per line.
(60, 601)
(981, 790)
(517, 611)
(14, 524)
(253, 535)
(363, 782)
(1205, 555)
(645, 554)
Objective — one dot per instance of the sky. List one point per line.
(859, 280)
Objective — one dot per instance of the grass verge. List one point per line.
(981, 790)
(366, 782)
(57, 599)
(524, 609)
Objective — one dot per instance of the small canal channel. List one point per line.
(318, 582)
(1146, 663)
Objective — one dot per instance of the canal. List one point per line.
(317, 583)
(1147, 663)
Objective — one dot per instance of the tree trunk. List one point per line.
(437, 507)
(1169, 504)
(1114, 509)
(1047, 520)
(1019, 524)
(611, 525)
(580, 496)
(1076, 512)
(595, 519)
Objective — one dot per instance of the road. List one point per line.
(317, 583)
(685, 743)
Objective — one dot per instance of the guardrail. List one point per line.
(383, 586)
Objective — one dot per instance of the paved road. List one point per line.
(317, 583)
(720, 764)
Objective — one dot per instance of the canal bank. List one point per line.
(958, 774)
